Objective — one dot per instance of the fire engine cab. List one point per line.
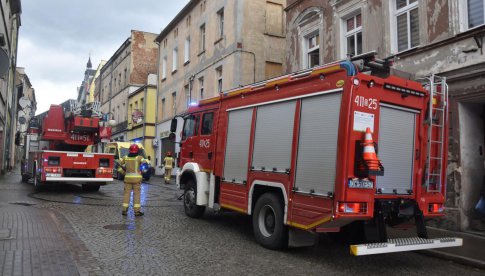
(341, 146)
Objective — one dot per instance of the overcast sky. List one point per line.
(56, 37)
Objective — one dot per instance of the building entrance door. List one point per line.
(472, 163)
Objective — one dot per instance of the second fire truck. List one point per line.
(55, 147)
(335, 147)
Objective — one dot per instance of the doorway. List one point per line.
(472, 141)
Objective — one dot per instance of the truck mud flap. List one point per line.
(403, 244)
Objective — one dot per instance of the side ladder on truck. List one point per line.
(437, 115)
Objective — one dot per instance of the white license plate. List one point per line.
(361, 184)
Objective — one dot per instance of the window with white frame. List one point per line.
(312, 49)
(406, 24)
(174, 63)
(201, 88)
(475, 13)
(187, 50)
(202, 38)
(219, 78)
(164, 68)
(353, 35)
(220, 17)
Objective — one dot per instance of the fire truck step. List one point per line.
(403, 244)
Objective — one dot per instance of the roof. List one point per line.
(185, 10)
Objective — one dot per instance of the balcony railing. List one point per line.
(120, 127)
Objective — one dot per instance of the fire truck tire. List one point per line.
(90, 187)
(25, 178)
(268, 225)
(191, 209)
(37, 182)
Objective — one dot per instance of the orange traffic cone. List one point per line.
(370, 156)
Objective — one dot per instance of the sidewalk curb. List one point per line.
(455, 258)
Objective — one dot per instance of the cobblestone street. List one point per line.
(64, 231)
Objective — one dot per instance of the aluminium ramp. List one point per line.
(403, 244)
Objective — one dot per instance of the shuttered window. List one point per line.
(476, 13)
(407, 24)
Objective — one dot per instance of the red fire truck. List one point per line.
(289, 152)
(55, 147)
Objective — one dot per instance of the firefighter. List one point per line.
(131, 166)
(168, 163)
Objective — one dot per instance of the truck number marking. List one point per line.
(204, 143)
(362, 101)
(79, 137)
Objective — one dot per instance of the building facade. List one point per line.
(9, 29)
(83, 90)
(91, 97)
(213, 46)
(123, 74)
(443, 37)
(27, 106)
(141, 116)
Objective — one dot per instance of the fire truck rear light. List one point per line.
(435, 208)
(53, 171)
(352, 208)
(105, 171)
(371, 84)
(356, 82)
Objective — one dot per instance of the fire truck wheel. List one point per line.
(37, 182)
(25, 178)
(191, 209)
(268, 225)
(90, 187)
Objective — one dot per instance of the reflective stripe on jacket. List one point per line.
(132, 168)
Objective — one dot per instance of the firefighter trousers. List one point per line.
(168, 174)
(136, 196)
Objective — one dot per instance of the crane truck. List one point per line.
(55, 146)
(347, 147)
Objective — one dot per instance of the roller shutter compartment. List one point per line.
(396, 150)
(237, 145)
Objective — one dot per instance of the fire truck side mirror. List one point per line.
(173, 125)
(171, 137)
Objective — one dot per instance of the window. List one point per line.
(174, 103)
(164, 68)
(163, 108)
(187, 94)
(174, 56)
(312, 53)
(187, 21)
(202, 38)
(476, 13)
(201, 88)
(219, 78)
(130, 111)
(407, 24)
(175, 33)
(189, 126)
(142, 107)
(207, 123)
(187, 50)
(353, 35)
(220, 16)
(274, 18)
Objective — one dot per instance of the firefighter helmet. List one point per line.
(169, 153)
(134, 148)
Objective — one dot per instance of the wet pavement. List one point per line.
(65, 231)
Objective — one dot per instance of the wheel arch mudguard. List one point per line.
(192, 171)
(274, 186)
